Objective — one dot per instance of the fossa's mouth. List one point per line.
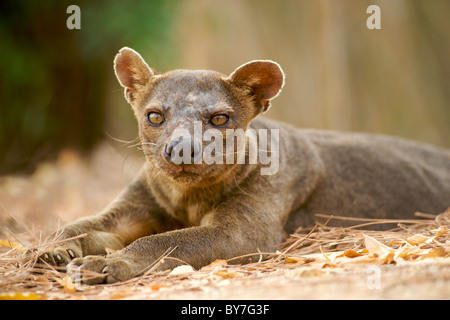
(183, 173)
(176, 170)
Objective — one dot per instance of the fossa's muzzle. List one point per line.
(183, 150)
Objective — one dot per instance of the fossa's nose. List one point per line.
(182, 151)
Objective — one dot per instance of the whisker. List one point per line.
(146, 143)
(120, 140)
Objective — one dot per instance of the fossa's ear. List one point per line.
(264, 78)
(132, 72)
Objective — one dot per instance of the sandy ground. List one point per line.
(412, 261)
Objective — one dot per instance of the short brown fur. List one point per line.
(207, 212)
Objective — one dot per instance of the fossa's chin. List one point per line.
(189, 174)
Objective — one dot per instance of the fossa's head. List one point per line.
(174, 110)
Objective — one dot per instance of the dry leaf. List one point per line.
(435, 252)
(440, 232)
(362, 259)
(350, 253)
(120, 294)
(417, 239)
(376, 248)
(12, 245)
(407, 252)
(389, 258)
(216, 264)
(20, 296)
(329, 265)
(229, 274)
(295, 260)
(157, 286)
(181, 270)
(396, 242)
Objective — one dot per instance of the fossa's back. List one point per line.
(364, 175)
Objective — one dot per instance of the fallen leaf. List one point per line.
(120, 294)
(363, 258)
(229, 274)
(295, 260)
(157, 286)
(20, 296)
(216, 264)
(435, 252)
(407, 251)
(181, 270)
(12, 245)
(417, 239)
(329, 265)
(389, 258)
(350, 253)
(440, 232)
(376, 248)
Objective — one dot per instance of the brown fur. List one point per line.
(220, 211)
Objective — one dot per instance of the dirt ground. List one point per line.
(411, 261)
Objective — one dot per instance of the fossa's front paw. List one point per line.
(99, 269)
(56, 256)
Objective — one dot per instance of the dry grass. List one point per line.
(416, 253)
(409, 261)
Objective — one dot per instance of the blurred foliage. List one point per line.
(339, 74)
(53, 80)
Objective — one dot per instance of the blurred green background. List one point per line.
(58, 90)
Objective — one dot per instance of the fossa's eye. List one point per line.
(155, 118)
(219, 120)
